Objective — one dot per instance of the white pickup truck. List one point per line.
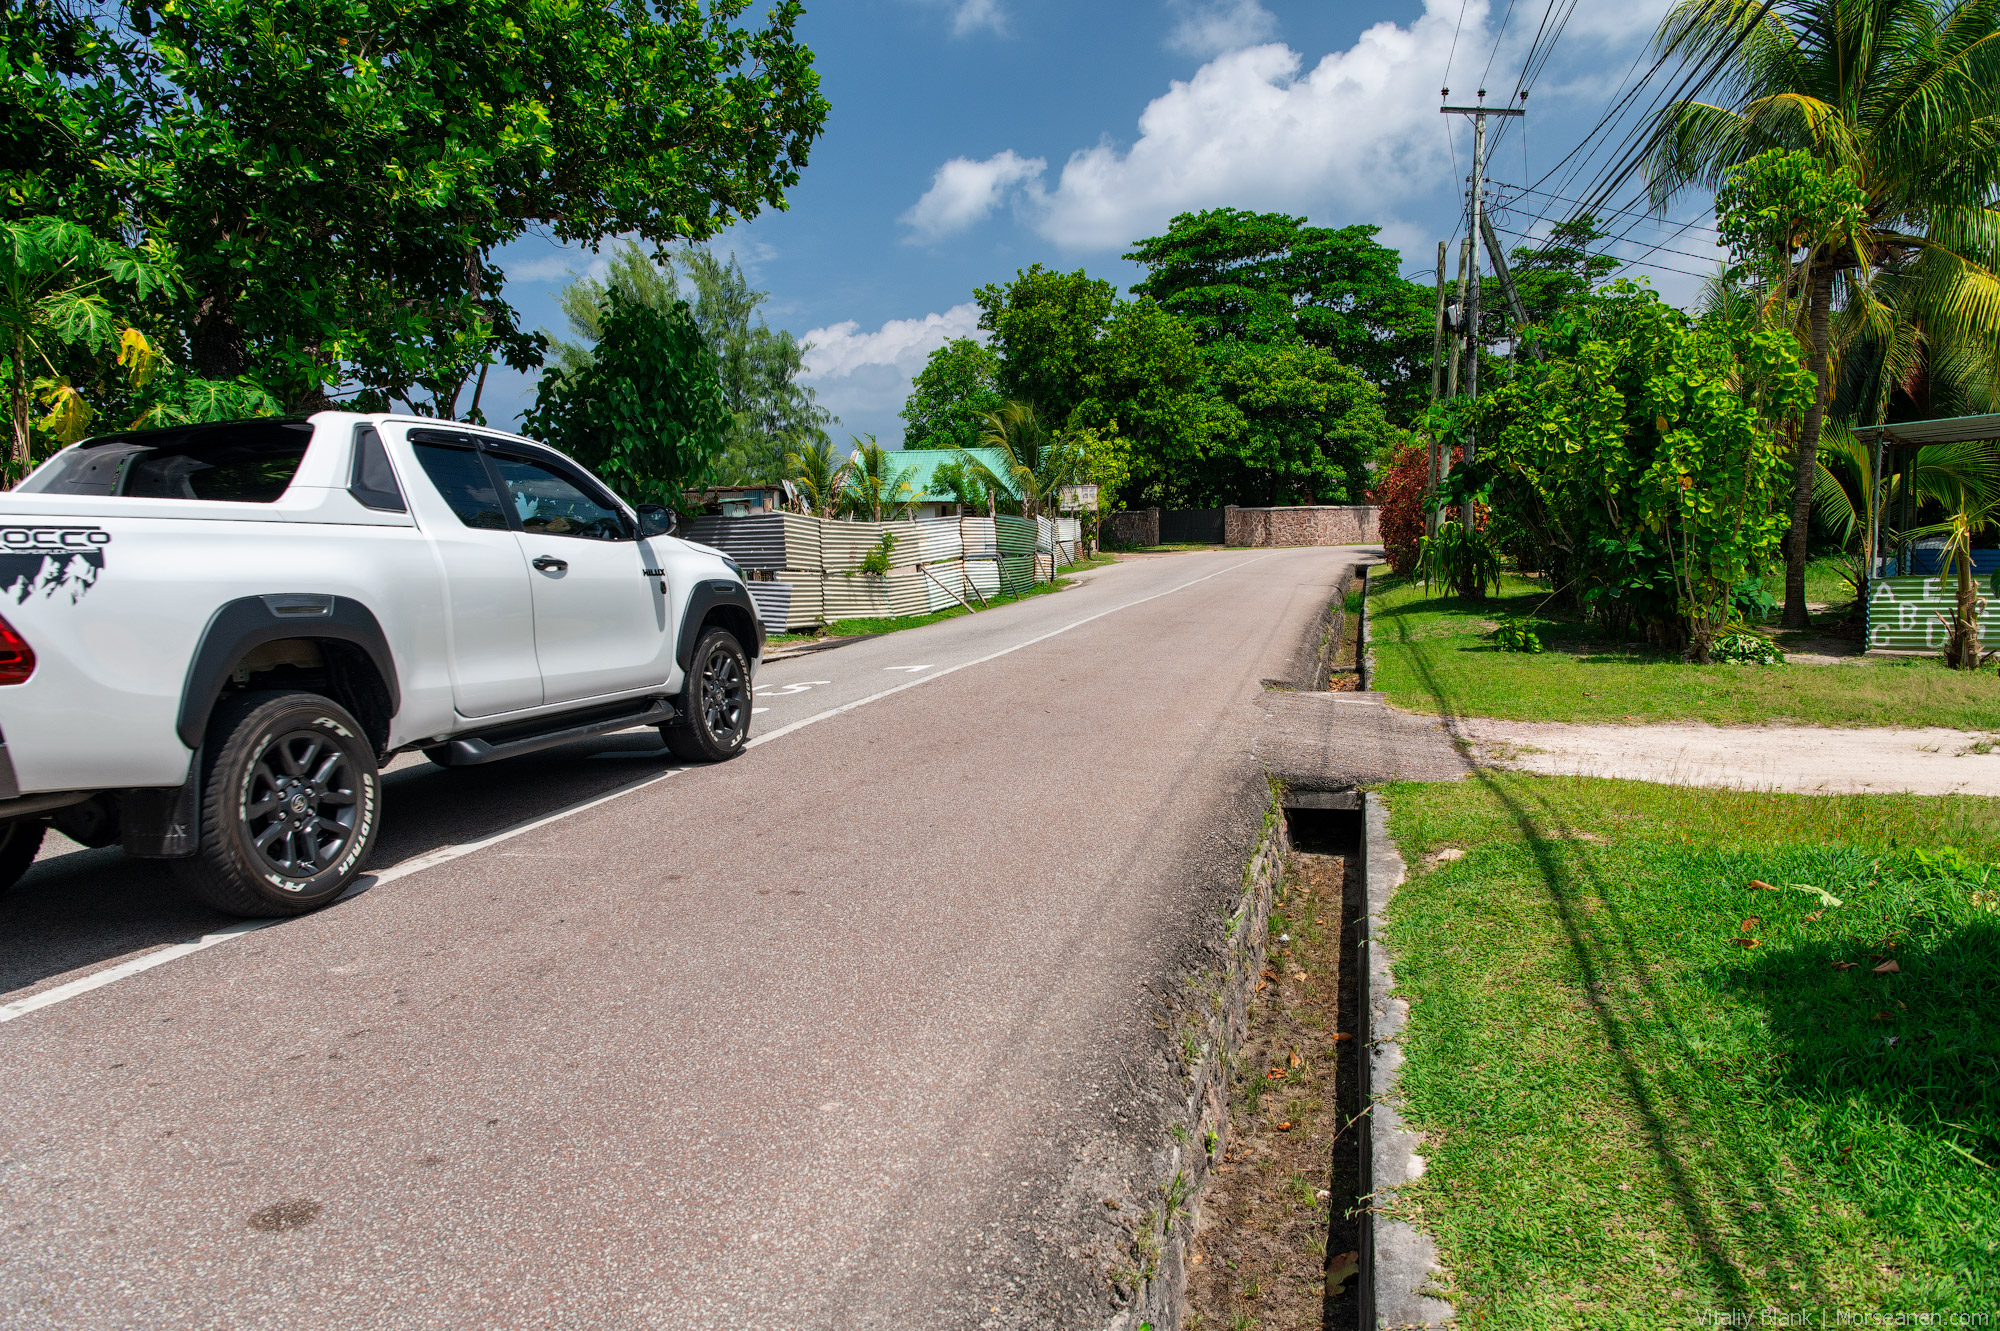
(212, 638)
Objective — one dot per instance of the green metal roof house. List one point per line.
(932, 501)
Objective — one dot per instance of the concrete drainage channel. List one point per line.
(1288, 1205)
(1269, 1208)
(1278, 1233)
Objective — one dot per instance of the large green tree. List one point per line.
(333, 176)
(1268, 277)
(646, 411)
(1301, 429)
(1045, 328)
(1904, 95)
(959, 384)
(771, 413)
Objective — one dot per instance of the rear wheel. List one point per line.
(290, 804)
(716, 701)
(20, 840)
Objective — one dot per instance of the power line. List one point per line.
(1639, 140)
(1622, 262)
(1493, 54)
(1643, 214)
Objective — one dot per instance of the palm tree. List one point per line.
(1036, 465)
(875, 489)
(1961, 524)
(1904, 93)
(819, 474)
(1846, 491)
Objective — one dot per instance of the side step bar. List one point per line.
(471, 750)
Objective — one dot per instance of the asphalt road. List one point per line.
(853, 1031)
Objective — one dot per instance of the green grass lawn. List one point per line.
(1435, 653)
(1633, 1118)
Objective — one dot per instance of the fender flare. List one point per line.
(707, 595)
(249, 622)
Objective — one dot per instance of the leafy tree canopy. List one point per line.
(333, 176)
(770, 412)
(1642, 460)
(646, 412)
(958, 385)
(1268, 277)
(1304, 426)
(1045, 327)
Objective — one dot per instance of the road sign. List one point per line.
(1077, 496)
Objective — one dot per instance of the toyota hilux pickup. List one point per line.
(212, 638)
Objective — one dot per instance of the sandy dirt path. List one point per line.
(1806, 759)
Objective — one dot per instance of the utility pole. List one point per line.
(1472, 330)
(1437, 369)
(1458, 334)
(1507, 285)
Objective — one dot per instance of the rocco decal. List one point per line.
(49, 561)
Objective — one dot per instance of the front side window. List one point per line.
(551, 504)
(239, 462)
(461, 477)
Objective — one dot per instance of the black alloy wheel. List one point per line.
(291, 800)
(301, 803)
(716, 701)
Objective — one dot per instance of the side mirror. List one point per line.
(656, 520)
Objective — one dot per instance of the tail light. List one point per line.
(17, 658)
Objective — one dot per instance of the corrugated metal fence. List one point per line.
(807, 570)
(1912, 613)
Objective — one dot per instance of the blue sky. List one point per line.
(970, 138)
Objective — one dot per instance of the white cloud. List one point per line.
(842, 348)
(1355, 135)
(1210, 27)
(969, 16)
(1359, 131)
(973, 15)
(558, 267)
(964, 192)
(863, 378)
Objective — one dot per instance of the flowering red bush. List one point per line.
(1401, 498)
(1400, 493)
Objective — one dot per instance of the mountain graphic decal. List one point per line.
(58, 574)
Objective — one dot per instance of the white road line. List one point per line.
(62, 993)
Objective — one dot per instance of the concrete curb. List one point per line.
(1397, 1259)
(1364, 660)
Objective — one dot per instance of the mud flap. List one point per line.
(164, 823)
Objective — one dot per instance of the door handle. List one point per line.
(550, 564)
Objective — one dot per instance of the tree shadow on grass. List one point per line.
(1920, 1046)
(1701, 1153)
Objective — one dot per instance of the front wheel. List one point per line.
(716, 702)
(290, 804)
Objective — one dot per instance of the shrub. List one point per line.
(1515, 636)
(1742, 647)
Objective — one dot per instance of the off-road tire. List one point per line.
(20, 839)
(290, 804)
(716, 701)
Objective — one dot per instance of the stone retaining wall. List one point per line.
(1139, 527)
(1320, 524)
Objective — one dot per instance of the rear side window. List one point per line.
(240, 462)
(461, 476)
(374, 483)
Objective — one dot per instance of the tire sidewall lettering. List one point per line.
(358, 844)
